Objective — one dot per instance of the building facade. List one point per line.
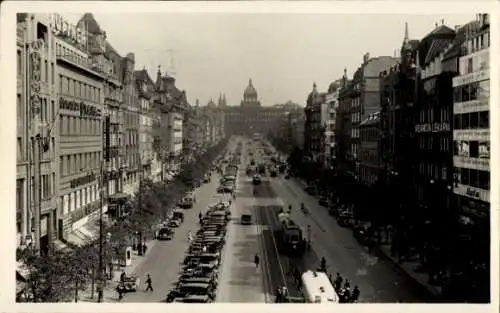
(251, 117)
(144, 89)
(471, 157)
(314, 130)
(37, 171)
(80, 144)
(370, 161)
(332, 100)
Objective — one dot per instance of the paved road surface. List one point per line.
(163, 261)
(378, 280)
(240, 281)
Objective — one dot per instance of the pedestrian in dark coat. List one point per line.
(149, 284)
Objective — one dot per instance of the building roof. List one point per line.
(372, 119)
(250, 91)
(437, 46)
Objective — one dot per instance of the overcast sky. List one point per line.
(282, 53)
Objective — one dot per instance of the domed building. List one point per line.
(250, 116)
(250, 96)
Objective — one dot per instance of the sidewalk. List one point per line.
(408, 267)
(110, 294)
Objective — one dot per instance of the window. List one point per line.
(68, 165)
(19, 63)
(19, 110)
(46, 71)
(469, 66)
(20, 154)
(52, 73)
(484, 119)
(61, 166)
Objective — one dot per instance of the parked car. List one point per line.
(165, 233)
(174, 223)
(323, 201)
(363, 234)
(310, 189)
(256, 180)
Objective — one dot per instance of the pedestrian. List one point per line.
(204, 249)
(256, 260)
(122, 276)
(278, 295)
(149, 284)
(200, 216)
(119, 290)
(144, 248)
(355, 294)
(347, 284)
(338, 282)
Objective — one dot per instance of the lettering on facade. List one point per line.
(84, 109)
(63, 29)
(471, 78)
(471, 192)
(82, 180)
(35, 72)
(432, 128)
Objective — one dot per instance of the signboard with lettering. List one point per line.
(84, 110)
(472, 163)
(472, 192)
(432, 128)
(72, 33)
(471, 78)
(471, 106)
(471, 134)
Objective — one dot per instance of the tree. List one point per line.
(48, 274)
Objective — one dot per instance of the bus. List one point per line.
(317, 288)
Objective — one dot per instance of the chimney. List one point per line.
(366, 57)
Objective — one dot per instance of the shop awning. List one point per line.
(77, 238)
(59, 245)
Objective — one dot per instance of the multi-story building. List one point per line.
(370, 162)
(332, 100)
(172, 104)
(313, 128)
(37, 171)
(131, 113)
(80, 144)
(145, 90)
(105, 58)
(471, 159)
(365, 99)
(251, 117)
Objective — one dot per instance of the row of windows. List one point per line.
(131, 138)
(131, 118)
(472, 149)
(71, 87)
(426, 143)
(478, 43)
(79, 198)
(472, 120)
(433, 170)
(356, 118)
(44, 68)
(355, 133)
(473, 91)
(79, 126)
(370, 134)
(473, 178)
(428, 114)
(369, 156)
(75, 163)
(368, 175)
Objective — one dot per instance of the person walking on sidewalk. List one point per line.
(256, 260)
(149, 283)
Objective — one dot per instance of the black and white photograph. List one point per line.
(251, 157)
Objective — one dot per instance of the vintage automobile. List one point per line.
(165, 233)
(130, 283)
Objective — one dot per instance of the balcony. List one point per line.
(84, 211)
